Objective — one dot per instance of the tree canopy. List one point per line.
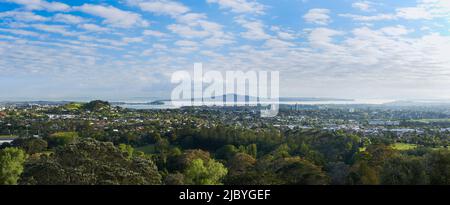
(11, 165)
(90, 162)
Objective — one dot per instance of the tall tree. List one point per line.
(11, 165)
(297, 171)
(242, 170)
(90, 162)
(210, 172)
(404, 170)
(438, 164)
(30, 145)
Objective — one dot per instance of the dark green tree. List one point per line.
(241, 170)
(438, 166)
(297, 171)
(96, 106)
(404, 170)
(174, 179)
(30, 145)
(90, 162)
(181, 162)
(61, 138)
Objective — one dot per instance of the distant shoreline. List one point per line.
(243, 99)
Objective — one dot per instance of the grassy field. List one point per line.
(73, 106)
(403, 146)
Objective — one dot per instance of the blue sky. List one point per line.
(390, 49)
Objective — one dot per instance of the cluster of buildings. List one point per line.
(384, 123)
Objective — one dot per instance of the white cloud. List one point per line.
(436, 8)
(92, 27)
(409, 13)
(283, 34)
(68, 18)
(417, 56)
(159, 46)
(113, 42)
(322, 37)
(396, 30)
(186, 31)
(195, 25)
(186, 46)
(217, 42)
(161, 7)
(59, 29)
(41, 5)
(114, 16)
(189, 25)
(211, 54)
(255, 29)
(132, 39)
(378, 17)
(153, 33)
(363, 5)
(7, 37)
(191, 18)
(20, 32)
(424, 10)
(317, 16)
(381, 59)
(240, 6)
(23, 16)
(186, 43)
(413, 13)
(277, 43)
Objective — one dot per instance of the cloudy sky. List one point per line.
(390, 49)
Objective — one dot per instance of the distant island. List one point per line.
(157, 102)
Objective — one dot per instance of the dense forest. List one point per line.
(219, 156)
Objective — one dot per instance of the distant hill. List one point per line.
(281, 99)
(96, 105)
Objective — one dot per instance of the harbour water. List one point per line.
(170, 105)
